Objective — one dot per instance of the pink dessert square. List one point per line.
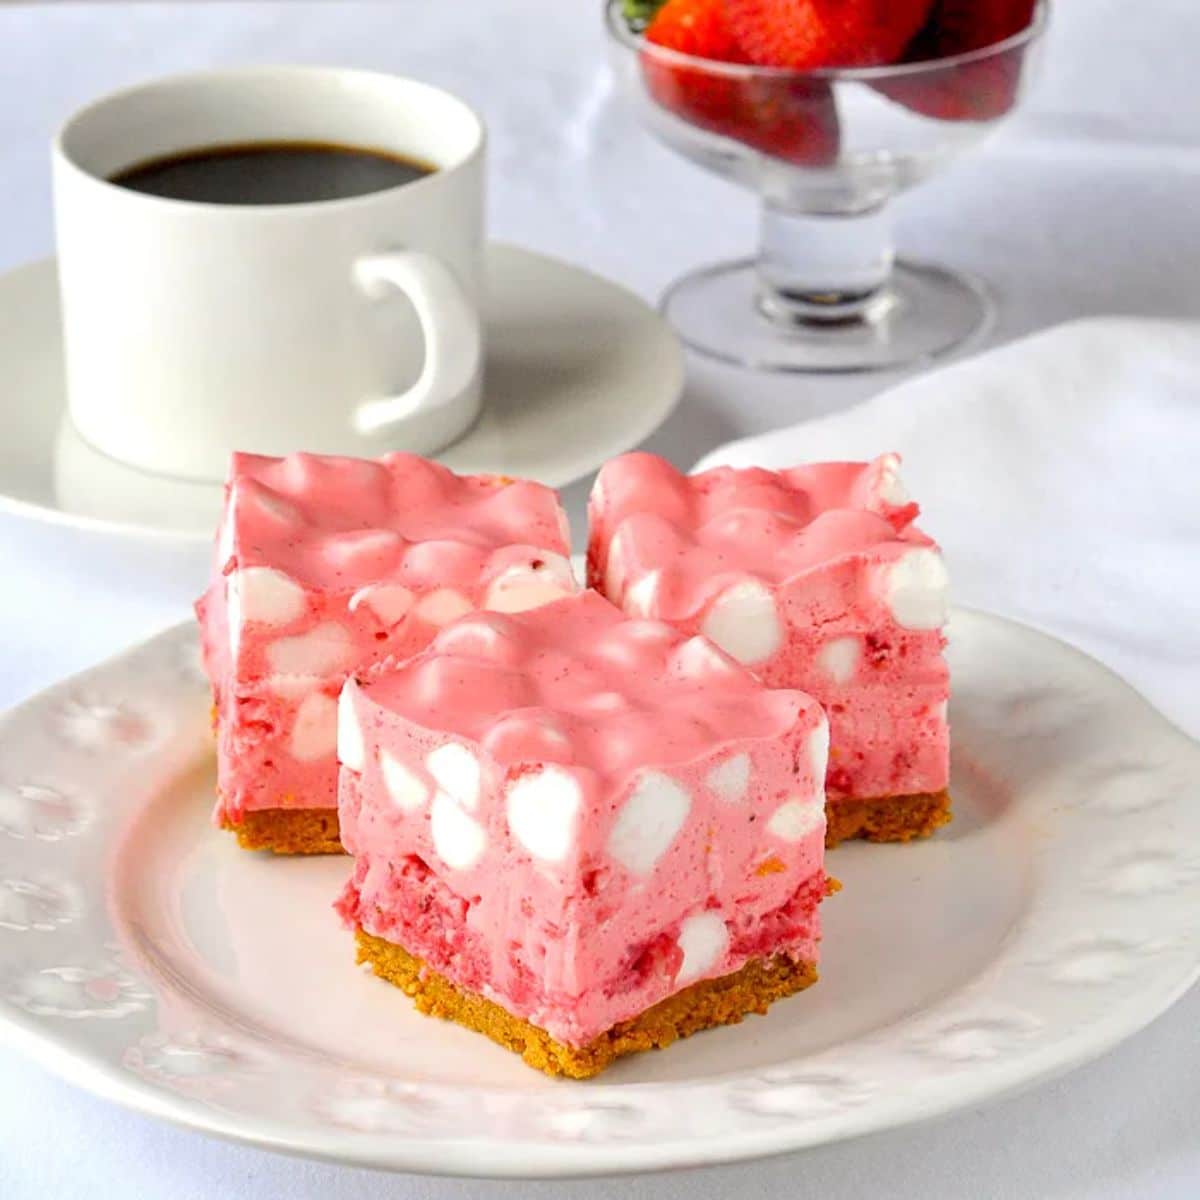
(324, 565)
(562, 818)
(815, 578)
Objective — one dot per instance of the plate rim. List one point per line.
(66, 1055)
(644, 421)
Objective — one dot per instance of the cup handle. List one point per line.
(453, 339)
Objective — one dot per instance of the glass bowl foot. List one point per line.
(927, 311)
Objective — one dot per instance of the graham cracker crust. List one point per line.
(885, 818)
(288, 830)
(284, 830)
(711, 1002)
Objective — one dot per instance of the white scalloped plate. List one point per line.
(145, 957)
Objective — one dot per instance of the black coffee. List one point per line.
(271, 173)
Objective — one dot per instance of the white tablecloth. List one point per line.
(1085, 205)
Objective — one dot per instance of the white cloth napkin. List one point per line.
(1061, 475)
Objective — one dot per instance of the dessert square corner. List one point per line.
(581, 834)
(817, 578)
(324, 565)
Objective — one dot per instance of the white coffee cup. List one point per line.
(344, 326)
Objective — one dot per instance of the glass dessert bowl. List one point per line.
(826, 151)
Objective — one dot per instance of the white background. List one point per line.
(1088, 203)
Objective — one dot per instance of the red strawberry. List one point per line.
(792, 120)
(696, 27)
(958, 26)
(806, 34)
(975, 91)
(698, 95)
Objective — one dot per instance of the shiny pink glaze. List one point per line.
(325, 565)
(814, 577)
(576, 814)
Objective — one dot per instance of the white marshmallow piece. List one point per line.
(458, 838)
(268, 596)
(408, 791)
(916, 588)
(524, 586)
(641, 596)
(698, 658)
(327, 649)
(703, 939)
(729, 781)
(649, 822)
(350, 749)
(390, 602)
(442, 606)
(889, 486)
(457, 773)
(839, 658)
(744, 622)
(484, 636)
(542, 810)
(614, 567)
(794, 820)
(315, 729)
(263, 595)
(233, 614)
(818, 753)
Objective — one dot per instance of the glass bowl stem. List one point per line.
(822, 268)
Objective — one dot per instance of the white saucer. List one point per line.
(578, 370)
(146, 957)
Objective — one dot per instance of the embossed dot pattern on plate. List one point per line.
(36, 907)
(37, 810)
(79, 993)
(95, 724)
